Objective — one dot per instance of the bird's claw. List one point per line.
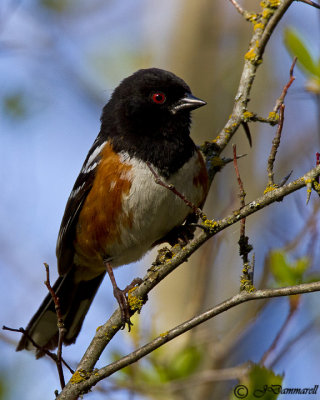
(121, 296)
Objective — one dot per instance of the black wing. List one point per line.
(78, 195)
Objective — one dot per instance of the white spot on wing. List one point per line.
(90, 167)
(92, 163)
(77, 190)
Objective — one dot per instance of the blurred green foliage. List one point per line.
(285, 272)
(15, 105)
(3, 388)
(260, 382)
(310, 66)
(160, 368)
(57, 6)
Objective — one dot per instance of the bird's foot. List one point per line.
(121, 296)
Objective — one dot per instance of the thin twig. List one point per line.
(247, 132)
(310, 3)
(253, 58)
(284, 180)
(106, 332)
(244, 246)
(286, 87)
(279, 108)
(155, 275)
(53, 356)
(318, 162)
(242, 11)
(237, 7)
(310, 224)
(279, 335)
(242, 193)
(60, 325)
(162, 389)
(172, 188)
(275, 146)
(285, 350)
(72, 390)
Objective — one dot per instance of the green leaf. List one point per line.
(260, 382)
(14, 105)
(57, 6)
(153, 375)
(185, 362)
(298, 48)
(286, 273)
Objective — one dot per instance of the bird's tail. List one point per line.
(75, 298)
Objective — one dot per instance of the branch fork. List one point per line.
(264, 25)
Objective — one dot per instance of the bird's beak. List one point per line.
(188, 101)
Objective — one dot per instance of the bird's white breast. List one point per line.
(153, 209)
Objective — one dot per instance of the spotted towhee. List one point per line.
(116, 211)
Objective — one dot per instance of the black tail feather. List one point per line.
(75, 298)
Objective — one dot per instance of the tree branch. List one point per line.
(86, 376)
(310, 3)
(274, 148)
(240, 10)
(244, 246)
(60, 325)
(253, 58)
(72, 391)
(280, 100)
(177, 256)
(172, 189)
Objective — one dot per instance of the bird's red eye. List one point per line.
(158, 98)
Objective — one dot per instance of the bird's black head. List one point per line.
(151, 101)
(150, 111)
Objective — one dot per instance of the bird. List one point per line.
(117, 211)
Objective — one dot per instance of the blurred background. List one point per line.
(59, 62)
